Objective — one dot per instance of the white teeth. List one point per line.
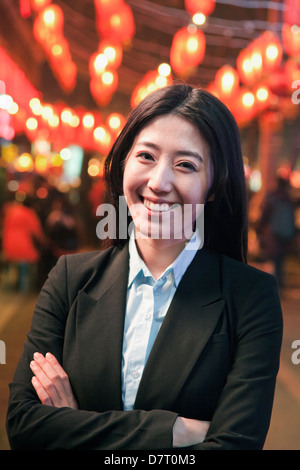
(156, 207)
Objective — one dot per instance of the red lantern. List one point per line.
(187, 49)
(271, 51)
(113, 52)
(245, 67)
(107, 7)
(38, 5)
(118, 25)
(291, 39)
(53, 18)
(103, 87)
(227, 82)
(200, 6)
(291, 12)
(263, 96)
(243, 107)
(115, 122)
(152, 80)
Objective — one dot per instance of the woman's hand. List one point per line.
(51, 382)
(188, 432)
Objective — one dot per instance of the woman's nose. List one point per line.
(160, 179)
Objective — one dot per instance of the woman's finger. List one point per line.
(46, 383)
(54, 380)
(41, 392)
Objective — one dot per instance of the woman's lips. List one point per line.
(158, 206)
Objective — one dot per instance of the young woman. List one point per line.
(159, 341)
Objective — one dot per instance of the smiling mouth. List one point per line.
(158, 207)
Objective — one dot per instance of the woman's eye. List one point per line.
(187, 166)
(145, 156)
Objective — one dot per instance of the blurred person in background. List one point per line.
(276, 228)
(22, 236)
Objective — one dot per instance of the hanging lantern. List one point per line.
(38, 5)
(243, 106)
(244, 66)
(227, 82)
(112, 51)
(187, 50)
(152, 80)
(118, 25)
(263, 96)
(107, 7)
(103, 87)
(271, 52)
(115, 122)
(206, 7)
(102, 138)
(97, 64)
(53, 18)
(291, 12)
(291, 39)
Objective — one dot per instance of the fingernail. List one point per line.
(37, 355)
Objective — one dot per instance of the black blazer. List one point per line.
(215, 358)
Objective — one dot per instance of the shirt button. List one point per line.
(135, 374)
(147, 316)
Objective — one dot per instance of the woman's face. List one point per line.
(167, 175)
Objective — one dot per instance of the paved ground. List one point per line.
(284, 434)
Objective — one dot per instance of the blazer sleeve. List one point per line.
(31, 425)
(241, 419)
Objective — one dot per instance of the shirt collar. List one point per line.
(178, 267)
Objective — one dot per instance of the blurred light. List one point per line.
(6, 101)
(20, 196)
(272, 52)
(13, 185)
(42, 193)
(36, 106)
(107, 78)
(75, 121)
(24, 162)
(66, 116)
(256, 60)
(255, 182)
(47, 112)
(199, 19)
(93, 170)
(56, 160)
(88, 120)
(262, 94)
(65, 154)
(53, 121)
(100, 63)
(14, 108)
(31, 124)
(41, 163)
(248, 99)
(164, 70)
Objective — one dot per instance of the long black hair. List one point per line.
(225, 217)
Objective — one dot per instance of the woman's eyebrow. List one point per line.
(187, 153)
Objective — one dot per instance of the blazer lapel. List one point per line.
(101, 335)
(186, 329)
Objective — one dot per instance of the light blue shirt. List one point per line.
(148, 301)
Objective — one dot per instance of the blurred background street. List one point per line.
(71, 71)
